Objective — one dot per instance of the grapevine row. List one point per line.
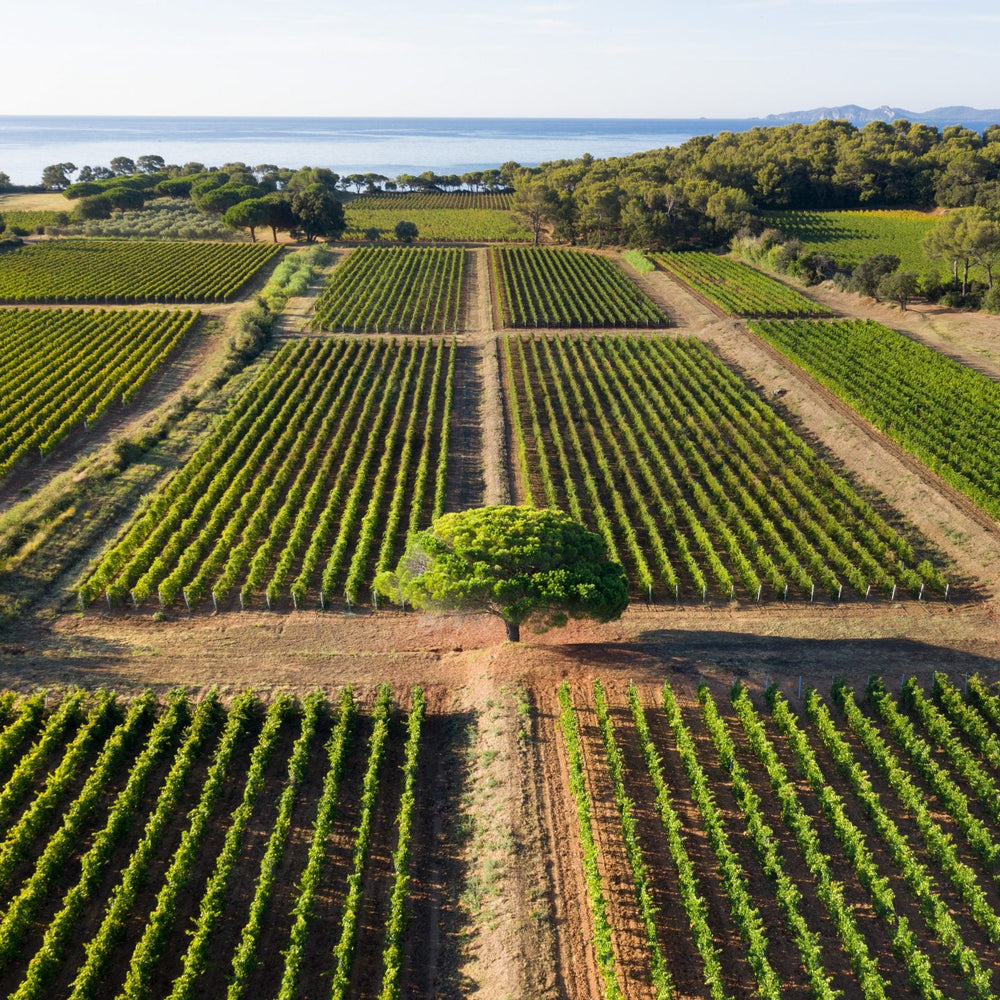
(107, 270)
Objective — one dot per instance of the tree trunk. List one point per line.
(513, 631)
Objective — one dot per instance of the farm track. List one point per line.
(576, 971)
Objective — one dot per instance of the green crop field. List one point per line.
(306, 489)
(63, 368)
(542, 287)
(497, 202)
(695, 484)
(943, 412)
(447, 225)
(100, 270)
(394, 289)
(736, 287)
(284, 847)
(849, 237)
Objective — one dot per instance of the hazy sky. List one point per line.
(626, 58)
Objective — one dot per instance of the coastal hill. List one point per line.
(857, 115)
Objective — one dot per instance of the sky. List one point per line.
(578, 58)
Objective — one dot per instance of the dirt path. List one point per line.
(295, 317)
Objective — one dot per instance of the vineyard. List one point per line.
(941, 411)
(695, 484)
(307, 487)
(190, 850)
(64, 368)
(92, 270)
(444, 225)
(437, 200)
(844, 849)
(850, 237)
(390, 289)
(723, 847)
(564, 288)
(735, 287)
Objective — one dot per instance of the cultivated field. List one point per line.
(438, 216)
(82, 270)
(737, 288)
(850, 237)
(368, 844)
(546, 819)
(63, 368)
(695, 484)
(389, 290)
(541, 287)
(941, 411)
(307, 487)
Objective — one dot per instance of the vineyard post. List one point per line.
(295, 601)
(868, 592)
(375, 598)
(215, 602)
(812, 596)
(322, 600)
(677, 593)
(732, 592)
(947, 587)
(650, 594)
(159, 595)
(704, 593)
(840, 592)
(785, 598)
(267, 599)
(920, 596)
(893, 598)
(760, 590)
(241, 601)
(187, 603)
(108, 596)
(347, 599)
(135, 603)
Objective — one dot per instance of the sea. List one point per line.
(389, 146)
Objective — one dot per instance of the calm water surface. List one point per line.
(387, 146)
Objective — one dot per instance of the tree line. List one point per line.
(704, 191)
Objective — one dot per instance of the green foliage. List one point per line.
(317, 213)
(95, 206)
(691, 479)
(736, 288)
(565, 288)
(433, 223)
(164, 218)
(851, 237)
(639, 261)
(405, 232)
(120, 271)
(294, 480)
(943, 412)
(870, 272)
(519, 563)
(390, 289)
(73, 366)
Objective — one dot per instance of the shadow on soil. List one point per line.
(659, 652)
